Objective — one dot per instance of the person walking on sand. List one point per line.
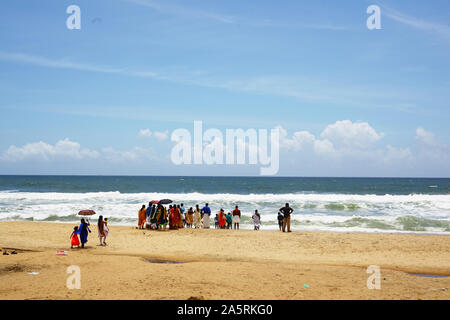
(236, 218)
(206, 212)
(286, 210)
(83, 230)
(197, 217)
(142, 217)
(101, 230)
(256, 220)
(74, 238)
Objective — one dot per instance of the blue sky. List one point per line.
(81, 101)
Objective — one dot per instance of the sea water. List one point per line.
(416, 205)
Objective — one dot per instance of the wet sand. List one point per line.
(220, 264)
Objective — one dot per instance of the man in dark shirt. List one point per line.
(236, 218)
(286, 211)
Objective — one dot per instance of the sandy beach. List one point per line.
(220, 264)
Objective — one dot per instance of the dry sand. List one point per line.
(221, 264)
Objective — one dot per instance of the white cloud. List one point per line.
(324, 147)
(430, 148)
(299, 141)
(145, 133)
(70, 150)
(344, 140)
(426, 138)
(346, 134)
(44, 151)
(134, 154)
(161, 136)
(394, 154)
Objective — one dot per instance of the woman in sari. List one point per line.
(141, 217)
(83, 232)
(173, 218)
(189, 217)
(101, 230)
(160, 216)
(180, 217)
(197, 217)
(222, 219)
(256, 220)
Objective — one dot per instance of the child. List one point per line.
(216, 221)
(74, 237)
(280, 220)
(229, 220)
(105, 230)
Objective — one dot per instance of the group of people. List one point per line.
(158, 217)
(83, 231)
(176, 216)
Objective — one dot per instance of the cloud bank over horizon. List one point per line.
(343, 146)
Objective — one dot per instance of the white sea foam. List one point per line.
(350, 212)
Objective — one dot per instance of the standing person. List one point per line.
(165, 215)
(83, 232)
(74, 238)
(280, 220)
(256, 220)
(182, 213)
(148, 212)
(236, 218)
(286, 210)
(101, 230)
(151, 220)
(206, 213)
(222, 219)
(181, 218)
(216, 221)
(189, 217)
(197, 217)
(173, 218)
(229, 220)
(161, 217)
(142, 217)
(105, 230)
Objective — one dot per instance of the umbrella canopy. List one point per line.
(86, 212)
(154, 201)
(165, 201)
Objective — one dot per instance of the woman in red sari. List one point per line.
(175, 217)
(222, 219)
(173, 221)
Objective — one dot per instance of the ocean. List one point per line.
(418, 205)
